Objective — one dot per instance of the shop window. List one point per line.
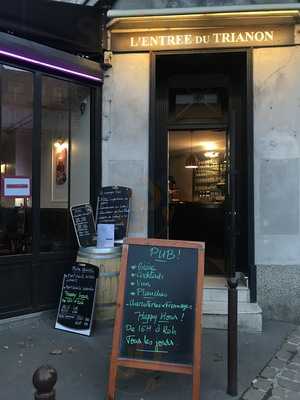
(16, 160)
(65, 159)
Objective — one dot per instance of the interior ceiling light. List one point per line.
(211, 154)
(191, 162)
(208, 145)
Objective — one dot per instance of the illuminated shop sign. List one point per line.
(202, 38)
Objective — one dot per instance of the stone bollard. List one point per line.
(44, 380)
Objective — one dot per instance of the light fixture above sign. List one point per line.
(198, 31)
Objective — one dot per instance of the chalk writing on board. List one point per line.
(77, 299)
(159, 303)
(84, 224)
(113, 207)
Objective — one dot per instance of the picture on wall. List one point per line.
(60, 170)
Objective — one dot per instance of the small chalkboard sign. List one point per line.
(77, 300)
(84, 224)
(158, 321)
(113, 207)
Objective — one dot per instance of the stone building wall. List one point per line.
(276, 180)
(125, 132)
(276, 163)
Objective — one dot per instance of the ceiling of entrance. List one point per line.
(209, 140)
(81, 2)
(146, 4)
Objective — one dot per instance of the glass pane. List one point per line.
(197, 190)
(54, 199)
(197, 105)
(80, 144)
(65, 178)
(16, 161)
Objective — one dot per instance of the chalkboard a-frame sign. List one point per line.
(159, 305)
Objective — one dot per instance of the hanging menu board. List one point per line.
(84, 224)
(77, 301)
(158, 323)
(113, 208)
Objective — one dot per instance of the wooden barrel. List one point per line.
(108, 262)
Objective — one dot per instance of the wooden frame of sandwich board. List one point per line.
(116, 361)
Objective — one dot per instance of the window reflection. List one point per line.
(65, 160)
(54, 165)
(16, 161)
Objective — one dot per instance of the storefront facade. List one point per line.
(50, 160)
(219, 82)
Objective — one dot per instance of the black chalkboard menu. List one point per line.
(159, 304)
(84, 224)
(113, 207)
(77, 301)
(158, 321)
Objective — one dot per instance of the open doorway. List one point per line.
(201, 104)
(197, 191)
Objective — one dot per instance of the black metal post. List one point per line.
(232, 339)
(44, 380)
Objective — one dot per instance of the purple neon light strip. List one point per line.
(44, 64)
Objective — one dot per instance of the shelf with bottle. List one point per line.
(209, 180)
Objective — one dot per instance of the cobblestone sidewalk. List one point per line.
(280, 379)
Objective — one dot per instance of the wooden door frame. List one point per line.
(158, 126)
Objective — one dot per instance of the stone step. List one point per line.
(218, 294)
(214, 316)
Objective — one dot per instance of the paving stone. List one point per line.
(289, 374)
(278, 391)
(283, 355)
(276, 363)
(289, 347)
(289, 384)
(262, 384)
(254, 394)
(296, 359)
(294, 340)
(296, 332)
(292, 396)
(293, 366)
(269, 372)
